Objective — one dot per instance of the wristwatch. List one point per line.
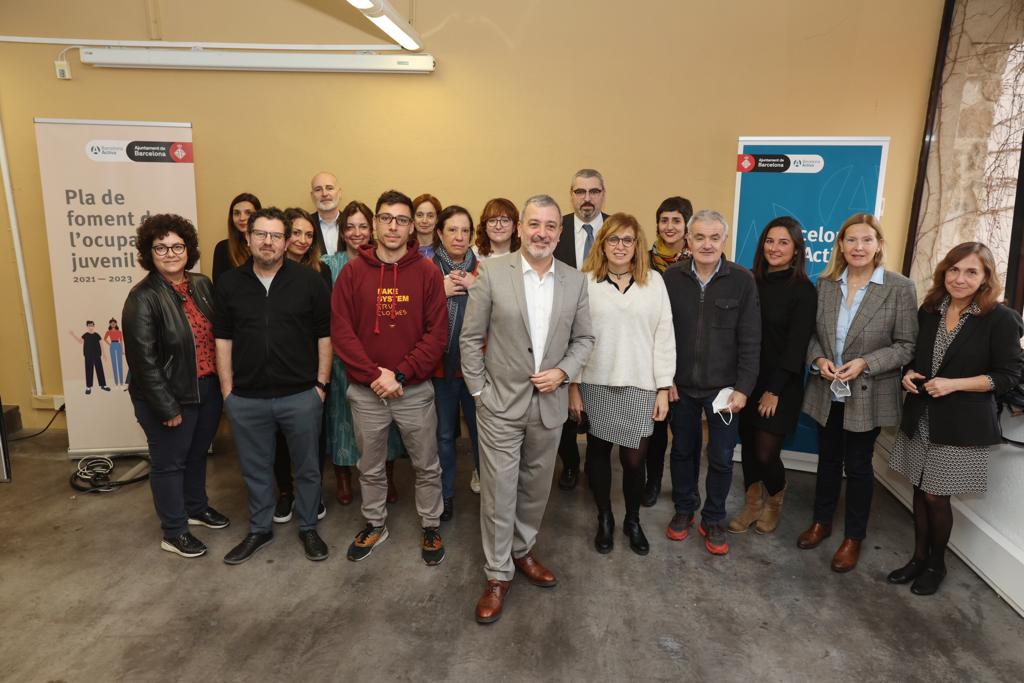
(400, 378)
(323, 387)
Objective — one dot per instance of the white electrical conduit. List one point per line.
(194, 45)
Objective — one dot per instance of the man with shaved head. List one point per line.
(326, 194)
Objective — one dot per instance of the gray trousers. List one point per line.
(254, 423)
(416, 418)
(517, 459)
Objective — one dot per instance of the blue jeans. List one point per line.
(449, 394)
(116, 357)
(684, 416)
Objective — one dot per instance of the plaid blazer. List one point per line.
(883, 333)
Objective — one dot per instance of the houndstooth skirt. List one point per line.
(621, 415)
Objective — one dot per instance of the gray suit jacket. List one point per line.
(496, 316)
(883, 333)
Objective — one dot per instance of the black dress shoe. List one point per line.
(651, 493)
(210, 518)
(249, 545)
(449, 510)
(605, 538)
(314, 546)
(569, 478)
(637, 541)
(929, 581)
(907, 573)
(185, 545)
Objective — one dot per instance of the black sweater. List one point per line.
(788, 313)
(274, 351)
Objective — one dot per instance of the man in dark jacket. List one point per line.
(717, 319)
(390, 328)
(272, 326)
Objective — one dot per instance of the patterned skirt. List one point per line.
(621, 415)
(939, 469)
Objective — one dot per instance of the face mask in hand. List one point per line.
(840, 389)
(721, 404)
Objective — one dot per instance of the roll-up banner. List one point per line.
(100, 180)
(820, 181)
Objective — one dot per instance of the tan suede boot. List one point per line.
(751, 510)
(769, 518)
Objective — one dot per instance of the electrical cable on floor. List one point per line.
(22, 438)
(93, 474)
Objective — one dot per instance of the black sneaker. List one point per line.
(366, 541)
(314, 546)
(449, 510)
(248, 547)
(185, 545)
(283, 509)
(210, 519)
(433, 549)
(321, 511)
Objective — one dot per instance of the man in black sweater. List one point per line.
(717, 320)
(273, 331)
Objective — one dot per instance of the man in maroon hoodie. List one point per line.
(390, 327)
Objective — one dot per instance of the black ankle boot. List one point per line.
(651, 492)
(637, 541)
(604, 540)
(907, 573)
(931, 578)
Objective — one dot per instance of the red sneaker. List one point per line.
(679, 528)
(714, 538)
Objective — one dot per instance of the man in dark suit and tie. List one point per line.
(325, 193)
(579, 229)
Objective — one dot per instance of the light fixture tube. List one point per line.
(154, 58)
(388, 19)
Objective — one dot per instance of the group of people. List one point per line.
(364, 335)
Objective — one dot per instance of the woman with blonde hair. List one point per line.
(624, 386)
(865, 332)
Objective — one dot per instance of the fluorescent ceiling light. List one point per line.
(387, 19)
(143, 58)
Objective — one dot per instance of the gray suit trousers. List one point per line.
(517, 459)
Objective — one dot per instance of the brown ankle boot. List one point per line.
(392, 491)
(343, 478)
(751, 509)
(769, 518)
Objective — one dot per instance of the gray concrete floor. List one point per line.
(87, 595)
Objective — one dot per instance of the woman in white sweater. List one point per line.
(624, 386)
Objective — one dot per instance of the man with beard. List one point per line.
(578, 231)
(272, 327)
(326, 195)
(536, 339)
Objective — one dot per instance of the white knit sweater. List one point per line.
(636, 343)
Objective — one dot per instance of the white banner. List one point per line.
(100, 180)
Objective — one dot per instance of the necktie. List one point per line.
(589, 229)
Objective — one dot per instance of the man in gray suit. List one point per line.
(532, 314)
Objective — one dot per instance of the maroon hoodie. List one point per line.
(389, 315)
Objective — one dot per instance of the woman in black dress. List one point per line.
(233, 251)
(789, 306)
(968, 352)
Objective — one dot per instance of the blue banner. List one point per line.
(818, 181)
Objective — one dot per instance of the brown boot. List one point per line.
(769, 518)
(343, 478)
(392, 491)
(751, 509)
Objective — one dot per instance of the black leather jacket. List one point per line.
(159, 345)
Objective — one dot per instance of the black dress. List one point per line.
(788, 312)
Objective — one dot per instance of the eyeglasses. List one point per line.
(626, 241)
(580, 193)
(503, 221)
(176, 249)
(263, 236)
(386, 218)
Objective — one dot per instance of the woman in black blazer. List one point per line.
(968, 352)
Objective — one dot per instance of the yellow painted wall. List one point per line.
(654, 94)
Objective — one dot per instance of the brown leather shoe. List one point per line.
(343, 478)
(815, 534)
(535, 572)
(392, 490)
(846, 557)
(488, 607)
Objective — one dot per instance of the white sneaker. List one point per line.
(474, 483)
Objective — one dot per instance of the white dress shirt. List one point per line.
(581, 235)
(540, 296)
(330, 232)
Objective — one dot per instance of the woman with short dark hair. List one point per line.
(173, 383)
(968, 352)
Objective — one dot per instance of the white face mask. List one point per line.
(721, 405)
(840, 389)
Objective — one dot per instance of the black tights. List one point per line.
(933, 522)
(599, 473)
(762, 459)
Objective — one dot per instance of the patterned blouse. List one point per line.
(202, 332)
